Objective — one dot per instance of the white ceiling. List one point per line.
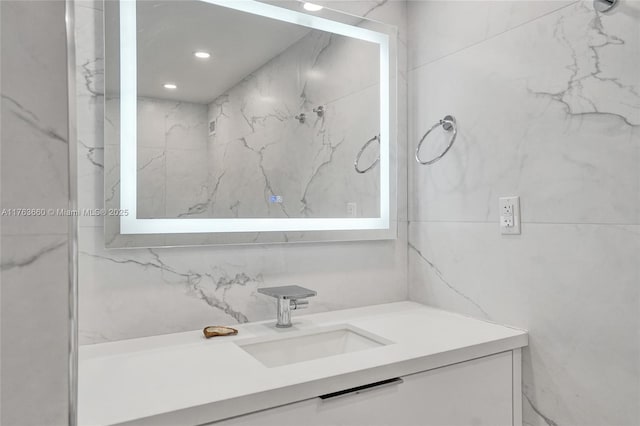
(170, 31)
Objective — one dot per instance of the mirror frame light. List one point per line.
(130, 224)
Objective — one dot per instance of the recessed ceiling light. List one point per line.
(202, 54)
(312, 7)
(170, 86)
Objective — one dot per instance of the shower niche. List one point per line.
(233, 122)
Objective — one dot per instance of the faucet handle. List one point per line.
(297, 304)
(292, 292)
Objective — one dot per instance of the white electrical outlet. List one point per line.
(510, 215)
(352, 210)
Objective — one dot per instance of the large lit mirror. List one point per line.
(247, 122)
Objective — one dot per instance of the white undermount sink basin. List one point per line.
(299, 346)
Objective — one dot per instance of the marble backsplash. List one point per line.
(126, 293)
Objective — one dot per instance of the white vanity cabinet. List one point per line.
(482, 391)
(450, 370)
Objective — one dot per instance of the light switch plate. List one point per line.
(510, 215)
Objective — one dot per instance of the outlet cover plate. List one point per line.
(510, 215)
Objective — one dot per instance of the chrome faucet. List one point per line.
(290, 297)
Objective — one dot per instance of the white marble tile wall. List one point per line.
(547, 97)
(172, 157)
(34, 174)
(139, 292)
(310, 165)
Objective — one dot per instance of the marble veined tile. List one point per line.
(111, 123)
(239, 185)
(25, 94)
(318, 179)
(271, 95)
(33, 170)
(90, 109)
(318, 69)
(186, 127)
(342, 66)
(129, 293)
(331, 182)
(35, 323)
(152, 182)
(257, 134)
(465, 24)
(151, 122)
(34, 251)
(187, 181)
(548, 111)
(34, 165)
(573, 287)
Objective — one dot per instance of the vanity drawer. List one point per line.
(476, 392)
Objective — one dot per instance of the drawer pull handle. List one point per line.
(363, 388)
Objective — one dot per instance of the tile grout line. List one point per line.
(492, 37)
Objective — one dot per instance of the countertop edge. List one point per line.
(220, 410)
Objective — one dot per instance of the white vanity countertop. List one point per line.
(183, 378)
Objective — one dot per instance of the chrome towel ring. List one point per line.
(448, 123)
(367, 143)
